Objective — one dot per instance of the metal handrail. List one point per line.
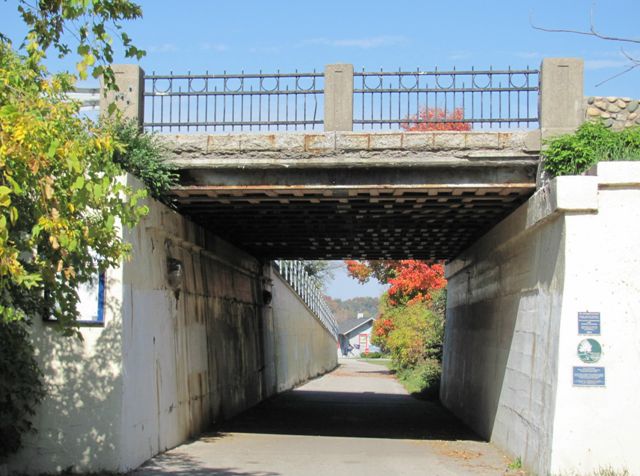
(310, 291)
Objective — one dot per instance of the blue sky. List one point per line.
(212, 35)
(197, 36)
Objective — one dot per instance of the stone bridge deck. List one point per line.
(347, 194)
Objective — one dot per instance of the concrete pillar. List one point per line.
(338, 97)
(130, 95)
(561, 96)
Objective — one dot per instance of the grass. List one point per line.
(422, 381)
(515, 464)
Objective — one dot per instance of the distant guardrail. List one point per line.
(341, 99)
(88, 97)
(309, 290)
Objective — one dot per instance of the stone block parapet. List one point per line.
(191, 149)
(616, 113)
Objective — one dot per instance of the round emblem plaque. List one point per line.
(589, 351)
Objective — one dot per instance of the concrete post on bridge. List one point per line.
(561, 96)
(338, 97)
(129, 98)
(560, 100)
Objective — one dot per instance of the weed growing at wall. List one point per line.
(143, 155)
(574, 154)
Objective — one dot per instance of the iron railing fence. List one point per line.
(382, 100)
(309, 290)
(446, 100)
(234, 102)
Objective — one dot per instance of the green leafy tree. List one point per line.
(61, 201)
(21, 386)
(87, 28)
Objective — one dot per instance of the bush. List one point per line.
(143, 155)
(417, 334)
(574, 154)
(423, 379)
(371, 355)
(21, 387)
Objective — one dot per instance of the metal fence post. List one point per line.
(129, 98)
(338, 97)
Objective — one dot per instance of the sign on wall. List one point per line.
(589, 351)
(588, 376)
(589, 323)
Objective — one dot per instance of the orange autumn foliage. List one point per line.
(411, 280)
(436, 119)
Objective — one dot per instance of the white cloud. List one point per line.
(529, 54)
(265, 50)
(459, 55)
(363, 43)
(163, 48)
(594, 64)
(218, 47)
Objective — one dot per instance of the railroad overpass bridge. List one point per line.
(345, 164)
(337, 164)
(336, 195)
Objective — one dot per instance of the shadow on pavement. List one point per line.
(362, 415)
(182, 464)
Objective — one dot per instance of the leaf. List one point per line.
(78, 184)
(51, 152)
(13, 215)
(5, 196)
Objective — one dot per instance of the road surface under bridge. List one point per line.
(355, 420)
(333, 195)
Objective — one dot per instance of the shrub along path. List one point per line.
(356, 420)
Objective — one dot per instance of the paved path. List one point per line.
(356, 420)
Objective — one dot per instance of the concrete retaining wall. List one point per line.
(170, 360)
(296, 348)
(512, 333)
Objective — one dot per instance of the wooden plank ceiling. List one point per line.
(428, 221)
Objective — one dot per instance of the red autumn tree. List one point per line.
(436, 119)
(411, 280)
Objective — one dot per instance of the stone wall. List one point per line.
(615, 112)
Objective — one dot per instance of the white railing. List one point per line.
(310, 291)
(89, 97)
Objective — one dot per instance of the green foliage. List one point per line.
(61, 200)
(423, 379)
(574, 154)
(416, 336)
(142, 154)
(515, 464)
(93, 25)
(21, 387)
(371, 355)
(322, 270)
(413, 333)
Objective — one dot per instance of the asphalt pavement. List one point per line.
(356, 420)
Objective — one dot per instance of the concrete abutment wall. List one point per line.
(187, 341)
(512, 326)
